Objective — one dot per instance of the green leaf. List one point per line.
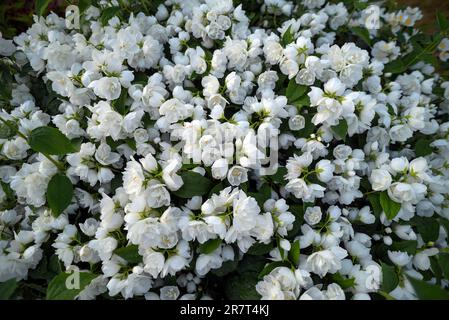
(57, 288)
(119, 103)
(217, 188)
(54, 265)
(262, 195)
(443, 23)
(443, 261)
(362, 33)
(59, 193)
(395, 66)
(304, 101)
(8, 129)
(344, 283)
(259, 249)
(108, 13)
(271, 266)
(390, 207)
(41, 6)
(409, 246)
(242, 287)
(44, 270)
(194, 185)
(83, 5)
(426, 291)
(140, 78)
(374, 200)
(226, 268)
(287, 37)
(293, 254)
(436, 268)
(294, 91)
(428, 228)
(209, 246)
(298, 212)
(423, 148)
(50, 141)
(390, 279)
(7, 289)
(278, 177)
(341, 129)
(129, 253)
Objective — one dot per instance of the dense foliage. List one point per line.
(134, 151)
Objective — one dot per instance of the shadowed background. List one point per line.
(428, 7)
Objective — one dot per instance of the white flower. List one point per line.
(380, 179)
(399, 258)
(326, 261)
(237, 175)
(169, 293)
(313, 215)
(325, 170)
(157, 195)
(172, 180)
(108, 88)
(219, 169)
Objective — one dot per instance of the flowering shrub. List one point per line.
(218, 149)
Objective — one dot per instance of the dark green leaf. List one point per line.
(428, 228)
(7, 289)
(58, 290)
(423, 148)
(226, 268)
(287, 37)
(344, 283)
(298, 212)
(271, 266)
(408, 246)
(341, 129)
(362, 33)
(395, 66)
(8, 129)
(119, 103)
(242, 287)
(294, 91)
(217, 188)
(262, 195)
(259, 249)
(59, 193)
(443, 261)
(426, 291)
(210, 246)
(293, 254)
(278, 177)
(390, 279)
(50, 141)
(41, 6)
(83, 5)
(374, 200)
(108, 14)
(443, 22)
(194, 185)
(390, 207)
(130, 253)
(436, 269)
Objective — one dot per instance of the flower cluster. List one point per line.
(208, 149)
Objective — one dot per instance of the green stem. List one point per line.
(57, 164)
(386, 295)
